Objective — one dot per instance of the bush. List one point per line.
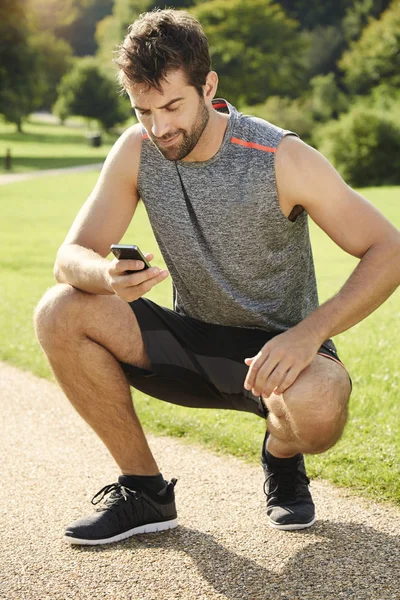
(328, 101)
(88, 92)
(364, 145)
(295, 115)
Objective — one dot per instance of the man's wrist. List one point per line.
(314, 329)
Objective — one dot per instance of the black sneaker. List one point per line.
(289, 502)
(124, 513)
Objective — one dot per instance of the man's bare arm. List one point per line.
(102, 220)
(307, 178)
(304, 177)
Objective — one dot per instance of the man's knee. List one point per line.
(55, 312)
(313, 413)
(323, 431)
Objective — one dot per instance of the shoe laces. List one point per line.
(282, 483)
(116, 491)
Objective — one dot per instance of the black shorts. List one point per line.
(198, 364)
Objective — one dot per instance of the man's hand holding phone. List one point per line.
(130, 274)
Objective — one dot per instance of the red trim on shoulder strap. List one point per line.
(252, 145)
(145, 136)
(220, 105)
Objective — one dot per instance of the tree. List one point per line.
(313, 13)
(80, 34)
(359, 13)
(375, 57)
(18, 63)
(325, 45)
(52, 14)
(86, 91)
(372, 147)
(54, 59)
(254, 48)
(327, 100)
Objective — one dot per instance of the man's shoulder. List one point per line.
(128, 146)
(260, 131)
(132, 137)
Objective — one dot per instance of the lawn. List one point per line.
(34, 220)
(46, 146)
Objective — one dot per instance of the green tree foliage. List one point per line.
(358, 14)
(72, 20)
(54, 59)
(364, 146)
(375, 57)
(313, 13)
(112, 29)
(325, 44)
(86, 91)
(80, 34)
(293, 114)
(254, 48)
(52, 14)
(18, 63)
(327, 100)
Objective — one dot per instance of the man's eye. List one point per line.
(140, 112)
(173, 109)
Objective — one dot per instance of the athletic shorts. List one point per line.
(198, 364)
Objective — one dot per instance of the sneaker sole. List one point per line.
(149, 528)
(292, 526)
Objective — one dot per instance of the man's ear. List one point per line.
(210, 87)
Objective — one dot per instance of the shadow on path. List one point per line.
(347, 561)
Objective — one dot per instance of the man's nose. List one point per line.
(160, 125)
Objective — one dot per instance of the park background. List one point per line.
(329, 71)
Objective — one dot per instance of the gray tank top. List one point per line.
(234, 258)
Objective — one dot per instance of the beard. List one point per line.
(189, 139)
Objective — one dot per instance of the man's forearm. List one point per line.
(82, 268)
(375, 278)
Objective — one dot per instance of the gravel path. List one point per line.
(223, 549)
(14, 177)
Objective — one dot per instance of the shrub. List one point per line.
(364, 145)
(295, 115)
(88, 92)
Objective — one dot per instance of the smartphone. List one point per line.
(127, 252)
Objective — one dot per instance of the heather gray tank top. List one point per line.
(234, 258)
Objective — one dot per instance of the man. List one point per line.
(228, 198)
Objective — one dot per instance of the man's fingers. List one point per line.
(275, 379)
(146, 286)
(255, 363)
(266, 371)
(289, 380)
(140, 277)
(121, 266)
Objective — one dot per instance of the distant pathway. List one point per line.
(52, 464)
(14, 177)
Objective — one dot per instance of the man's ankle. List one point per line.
(150, 483)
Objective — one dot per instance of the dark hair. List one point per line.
(162, 41)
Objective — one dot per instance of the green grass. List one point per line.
(34, 220)
(45, 146)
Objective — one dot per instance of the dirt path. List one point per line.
(52, 465)
(14, 177)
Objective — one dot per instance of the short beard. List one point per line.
(189, 140)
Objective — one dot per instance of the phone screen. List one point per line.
(129, 252)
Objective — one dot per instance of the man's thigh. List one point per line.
(198, 364)
(66, 316)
